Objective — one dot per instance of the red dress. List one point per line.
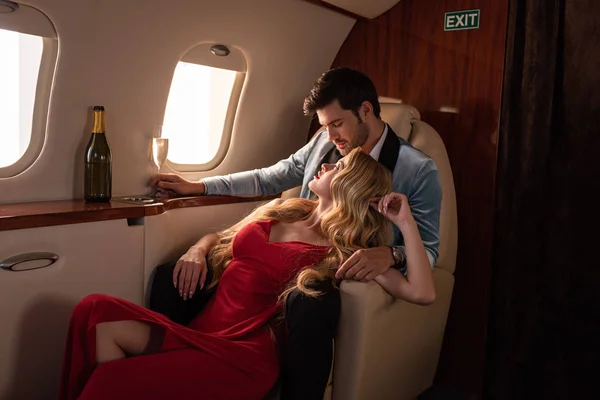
(227, 351)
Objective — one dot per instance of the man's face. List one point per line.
(344, 128)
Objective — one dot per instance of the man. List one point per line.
(347, 106)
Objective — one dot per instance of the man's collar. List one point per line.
(377, 149)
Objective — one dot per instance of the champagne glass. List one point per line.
(160, 149)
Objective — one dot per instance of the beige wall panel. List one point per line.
(35, 306)
(122, 54)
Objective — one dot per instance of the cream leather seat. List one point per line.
(387, 348)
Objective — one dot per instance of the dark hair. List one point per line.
(349, 87)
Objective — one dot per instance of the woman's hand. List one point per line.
(190, 272)
(393, 206)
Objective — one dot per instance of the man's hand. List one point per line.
(365, 264)
(190, 272)
(178, 184)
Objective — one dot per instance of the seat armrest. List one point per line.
(387, 348)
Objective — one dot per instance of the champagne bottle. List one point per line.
(98, 162)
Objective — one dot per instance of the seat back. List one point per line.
(405, 121)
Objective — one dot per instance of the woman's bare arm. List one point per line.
(191, 269)
(418, 285)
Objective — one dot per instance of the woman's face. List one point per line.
(321, 184)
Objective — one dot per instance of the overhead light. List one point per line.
(220, 50)
(384, 99)
(6, 7)
(447, 109)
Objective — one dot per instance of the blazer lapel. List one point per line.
(389, 151)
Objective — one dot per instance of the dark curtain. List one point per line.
(544, 322)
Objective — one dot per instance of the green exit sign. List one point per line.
(459, 20)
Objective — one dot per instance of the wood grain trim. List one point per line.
(51, 213)
(66, 212)
(455, 81)
(199, 201)
(337, 9)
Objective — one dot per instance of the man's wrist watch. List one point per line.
(397, 255)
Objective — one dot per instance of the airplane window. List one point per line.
(28, 54)
(196, 112)
(21, 55)
(201, 107)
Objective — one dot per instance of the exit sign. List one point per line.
(459, 20)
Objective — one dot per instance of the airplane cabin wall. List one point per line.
(454, 79)
(123, 55)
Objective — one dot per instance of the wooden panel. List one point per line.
(51, 213)
(455, 80)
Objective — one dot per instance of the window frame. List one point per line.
(200, 54)
(29, 20)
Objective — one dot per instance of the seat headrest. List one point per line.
(399, 116)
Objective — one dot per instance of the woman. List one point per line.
(116, 349)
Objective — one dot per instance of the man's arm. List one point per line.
(425, 202)
(286, 174)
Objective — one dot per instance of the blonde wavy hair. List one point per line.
(351, 224)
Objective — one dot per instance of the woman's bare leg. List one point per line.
(119, 339)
